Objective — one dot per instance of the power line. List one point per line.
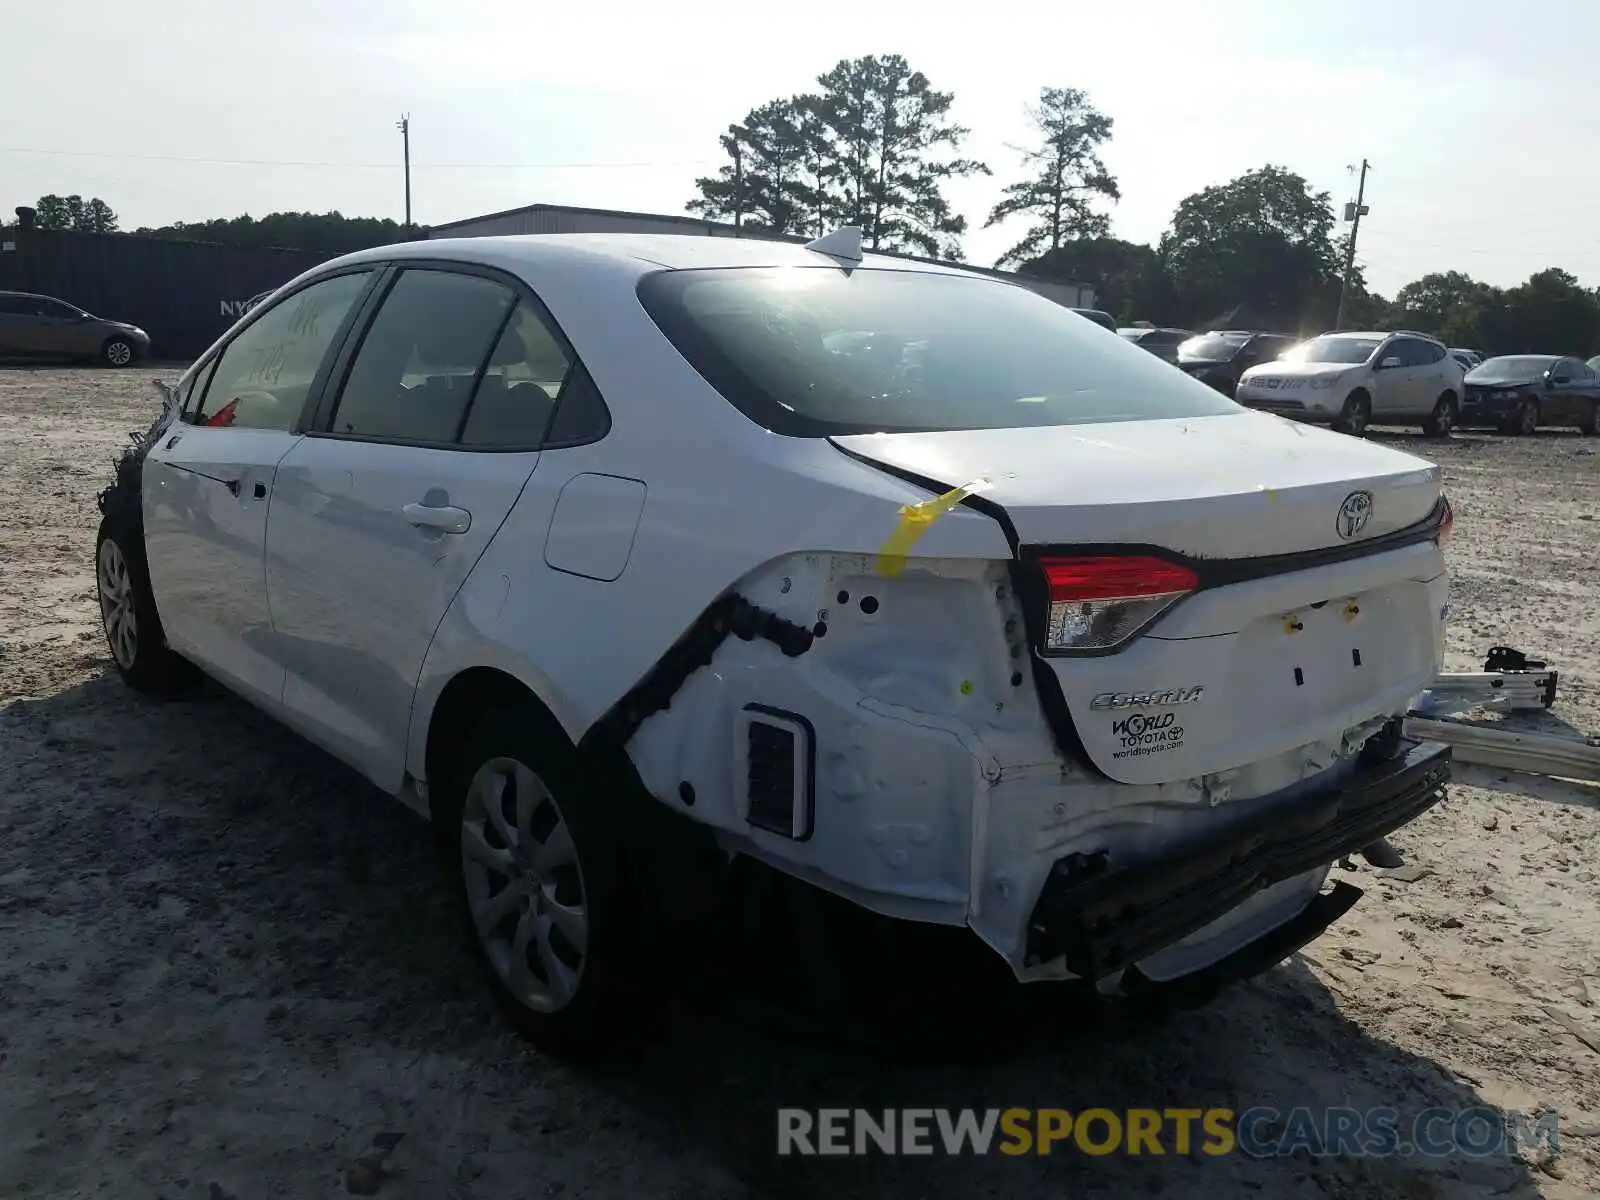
(379, 166)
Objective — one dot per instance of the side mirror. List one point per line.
(1389, 363)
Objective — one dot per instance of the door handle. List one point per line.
(445, 518)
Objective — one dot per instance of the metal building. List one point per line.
(560, 218)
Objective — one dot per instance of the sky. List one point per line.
(1481, 120)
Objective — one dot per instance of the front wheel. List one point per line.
(1355, 416)
(1525, 420)
(1590, 422)
(1442, 421)
(538, 878)
(118, 352)
(128, 613)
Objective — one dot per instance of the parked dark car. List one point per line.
(42, 327)
(1517, 393)
(1220, 358)
(1161, 342)
(1098, 317)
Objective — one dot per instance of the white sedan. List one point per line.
(604, 552)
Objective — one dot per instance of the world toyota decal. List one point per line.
(1141, 733)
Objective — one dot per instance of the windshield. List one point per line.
(815, 351)
(1212, 347)
(1513, 368)
(1333, 350)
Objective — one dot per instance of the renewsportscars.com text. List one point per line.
(1258, 1132)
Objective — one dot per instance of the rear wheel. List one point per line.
(1355, 416)
(538, 876)
(1590, 423)
(128, 613)
(117, 352)
(1442, 421)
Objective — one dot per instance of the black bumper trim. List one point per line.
(1102, 919)
(1267, 951)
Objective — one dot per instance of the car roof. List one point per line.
(637, 253)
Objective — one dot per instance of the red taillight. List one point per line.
(1099, 602)
(1447, 523)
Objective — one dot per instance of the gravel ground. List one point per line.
(224, 968)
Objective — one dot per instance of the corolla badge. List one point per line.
(1354, 513)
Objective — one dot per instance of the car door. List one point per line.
(16, 317)
(62, 329)
(208, 479)
(1398, 381)
(1569, 396)
(383, 509)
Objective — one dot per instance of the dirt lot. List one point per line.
(223, 965)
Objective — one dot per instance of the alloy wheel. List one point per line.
(525, 884)
(1529, 417)
(116, 605)
(119, 354)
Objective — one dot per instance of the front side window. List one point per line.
(816, 351)
(59, 310)
(264, 375)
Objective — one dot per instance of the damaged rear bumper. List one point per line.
(1100, 919)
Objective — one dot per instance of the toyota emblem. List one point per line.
(1354, 513)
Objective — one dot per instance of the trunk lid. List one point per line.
(1261, 659)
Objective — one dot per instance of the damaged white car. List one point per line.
(902, 580)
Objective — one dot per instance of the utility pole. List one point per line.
(1352, 213)
(404, 126)
(736, 149)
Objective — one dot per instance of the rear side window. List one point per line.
(517, 396)
(263, 376)
(813, 352)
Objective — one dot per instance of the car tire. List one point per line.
(118, 352)
(1355, 416)
(128, 615)
(1444, 418)
(1524, 420)
(1590, 424)
(537, 871)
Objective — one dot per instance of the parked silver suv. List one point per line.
(33, 326)
(1352, 380)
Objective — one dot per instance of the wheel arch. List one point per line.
(460, 702)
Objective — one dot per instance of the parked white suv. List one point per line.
(603, 551)
(1352, 380)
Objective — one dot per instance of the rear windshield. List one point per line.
(817, 351)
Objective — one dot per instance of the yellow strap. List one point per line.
(915, 520)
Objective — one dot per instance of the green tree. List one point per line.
(331, 232)
(763, 186)
(873, 147)
(1130, 280)
(1264, 241)
(1067, 177)
(893, 145)
(76, 213)
(1431, 303)
(1552, 314)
